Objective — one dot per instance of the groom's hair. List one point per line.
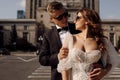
(53, 6)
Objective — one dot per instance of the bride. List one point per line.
(85, 48)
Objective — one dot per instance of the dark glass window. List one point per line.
(84, 3)
(112, 38)
(25, 27)
(35, 7)
(88, 3)
(40, 3)
(1, 27)
(13, 27)
(25, 34)
(41, 16)
(111, 28)
(93, 4)
(31, 1)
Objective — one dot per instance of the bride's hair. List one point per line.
(94, 26)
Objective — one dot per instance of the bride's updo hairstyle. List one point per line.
(94, 26)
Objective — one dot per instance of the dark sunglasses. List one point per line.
(60, 17)
(78, 18)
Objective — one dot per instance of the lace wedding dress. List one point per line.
(80, 62)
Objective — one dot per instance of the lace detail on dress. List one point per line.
(80, 62)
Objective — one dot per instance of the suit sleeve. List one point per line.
(46, 57)
(44, 53)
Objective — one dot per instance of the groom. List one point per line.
(53, 38)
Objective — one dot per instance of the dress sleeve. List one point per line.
(67, 62)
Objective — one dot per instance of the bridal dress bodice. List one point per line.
(80, 62)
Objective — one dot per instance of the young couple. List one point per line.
(79, 52)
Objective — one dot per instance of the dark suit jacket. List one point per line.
(50, 48)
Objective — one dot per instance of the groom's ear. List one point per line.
(51, 19)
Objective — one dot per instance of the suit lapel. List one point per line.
(55, 33)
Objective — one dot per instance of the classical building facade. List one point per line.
(12, 30)
(17, 31)
(112, 31)
(36, 9)
(32, 6)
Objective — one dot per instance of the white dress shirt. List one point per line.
(62, 34)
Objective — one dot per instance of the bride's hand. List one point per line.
(63, 53)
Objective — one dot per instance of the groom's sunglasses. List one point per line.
(60, 17)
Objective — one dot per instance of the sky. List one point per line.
(8, 8)
(109, 9)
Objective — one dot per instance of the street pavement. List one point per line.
(43, 73)
(25, 66)
(18, 65)
(115, 75)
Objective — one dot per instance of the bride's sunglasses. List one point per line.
(60, 17)
(78, 17)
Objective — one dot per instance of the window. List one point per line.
(88, 3)
(93, 4)
(25, 34)
(1, 27)
(31, 1)
(111, 28)
(40, 3)
(84, 3)
(41, 16)
(25, 27)
(112, 38)
(69, 15)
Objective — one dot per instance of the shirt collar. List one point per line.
(58, 27)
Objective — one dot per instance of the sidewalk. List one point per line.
(22, 53)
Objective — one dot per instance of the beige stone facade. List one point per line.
(25, 28)
(36, 9)
(112, 30)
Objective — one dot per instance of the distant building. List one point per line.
(20, 14)
(34, 6)
(36, 9)
(27, 30)
(112, 30)
(1, 36)
(31, 9)
(18, 31)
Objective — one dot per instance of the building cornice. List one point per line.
(17, 20)
(111, 21)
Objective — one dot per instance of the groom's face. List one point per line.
(59, 17)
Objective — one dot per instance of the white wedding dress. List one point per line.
(80, 62)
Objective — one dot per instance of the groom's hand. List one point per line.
(97, 73)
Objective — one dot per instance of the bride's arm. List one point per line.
(65, 75)
(65, 62)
